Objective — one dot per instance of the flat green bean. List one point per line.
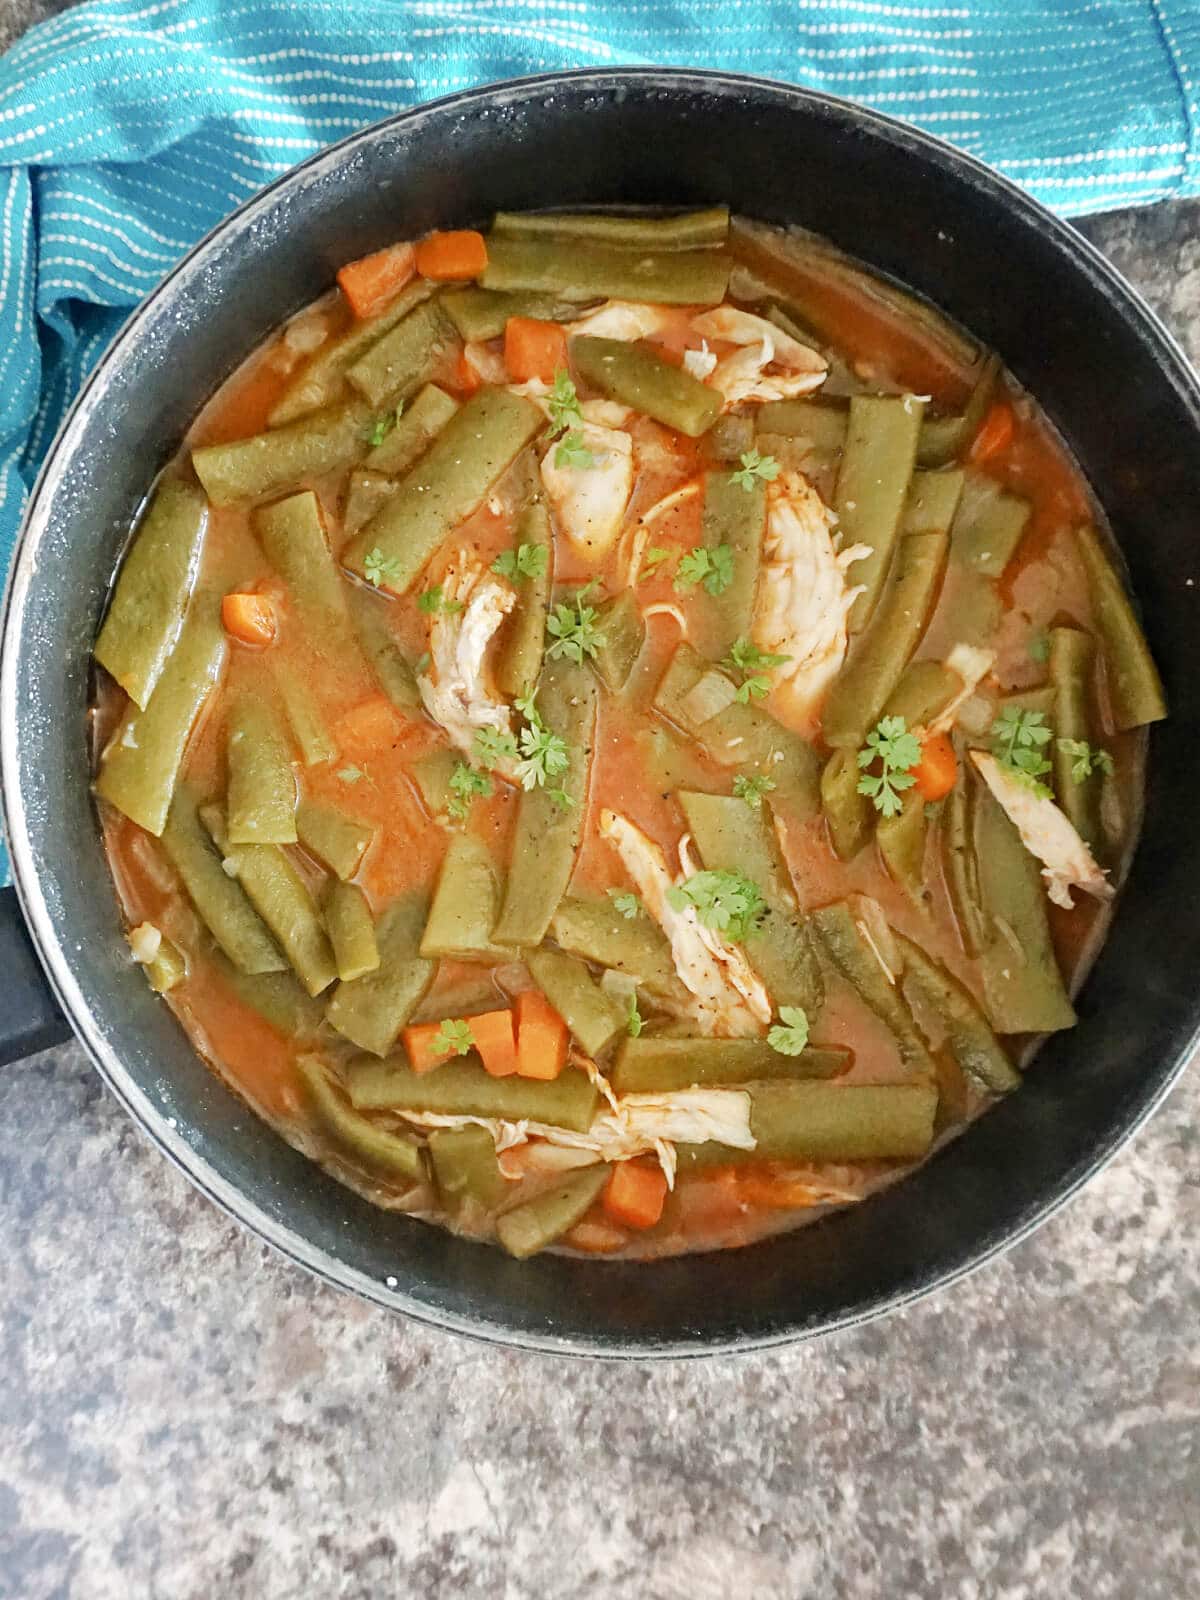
(466, 1168)
(155, 584)
(690, 230)
(1072, 664)
(969, 1035)
(461, 1087)
(815, 1121)
(449, 482)
(333, 837)
(519, 660)
(848, 814)
(351, 931)
(219, 900)
(278, 997)
(260, 806)
(418, 425)
(292, 532)
(734, 516)
(855, 958)
(634, 375)
(140, 766)
(166, 967)
(1135, 689)
(378, 1150)
(266, 463)
(431, 774)
(395, 366)
(482, 314)
(730, 437)
(822, 426)
(593, 1016)
(366, 492)
(946, 439)
(465, 905)
(989, 526)
(652, 1065)
(958, 861)
(371, 1010)
(622, 635)
(872, 487)
(582, 270)
(595, 930)
(901, 841)
(396, 677)
(924, 691)
(304, 716)
(530, 1227)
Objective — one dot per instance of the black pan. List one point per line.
(1069, 328)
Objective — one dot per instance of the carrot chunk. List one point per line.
(937, 771)
(635, 1194)
(420, 1044)
(541, 1037)
(995, 434)
(466, 376)
(496, 1040)
(249, 618)
(371, 281)
(452, 257)
(534, 349)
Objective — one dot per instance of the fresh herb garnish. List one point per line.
(713, 568)
(746, 658)
(378, 568)
(633, 1019)
(627, 904)
(454, 1037)
(561, 798)
(897, 752)
(651, 561)
(755, 466)
(383, 425)
(466, 785)
(544, 754)
(1086, 759)
(728, 902)
(563, 404)
(790, 1034)
(434, 599)
(1019, 739)
(494, 745)
(572, 452)
(1039, 646)
(572, 626)
(526, 561)
(752, 788)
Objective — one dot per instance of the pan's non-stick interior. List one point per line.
(1026, 285)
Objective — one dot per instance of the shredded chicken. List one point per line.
(972, 665)
(744, 375)
(456, 690)
(1047, 833)
(803, 599)
(621, 319)
(730, 1000)
(700, 363)
(589, 501)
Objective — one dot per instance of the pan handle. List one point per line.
(30, 1016)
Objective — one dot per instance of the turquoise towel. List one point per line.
(127, 129)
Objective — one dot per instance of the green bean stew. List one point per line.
(620, 733)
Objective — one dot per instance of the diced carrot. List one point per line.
(541, 1037)
(371, 281)
(635, 1194)
(937, 771)
(466, 378)
(496, 1041)
(368, 726)
(249, 618)
(423, 1053)
(995, 434)
(534, 349)
(453, 256)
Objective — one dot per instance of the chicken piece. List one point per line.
(621, 319)
(972, 665)
(743, 375)
(589, 501)
(456, 689)
(730, 1000)
(1047, 833)
(803, 599)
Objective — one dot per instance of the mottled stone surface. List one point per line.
(182, 1416)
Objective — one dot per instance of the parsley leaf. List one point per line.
(572, 452)
(1019, 738)
(633, 1020)
(563, 404)
(651, 561)
(544, 754)
(627, 904)
(728, 902)
(897, 752)
(561, 798)
(752, 789)
(494, 745)
(526, 561)
(434, 599)
(746, 658)
(378, 568)
(465, 785)
(790, 1034)
(1039, 646)
(1086, 759)
(378, 430)
(454, 1037)
(755, 466)
(713, 568)
(573, 628)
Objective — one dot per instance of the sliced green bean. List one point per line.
(466, 1168)
(166, 967)
(824, 427)
(395, 366)
(946, 439)
(461, 1087)
(281, 897)
(380, 1151)
(732, 836)
(593, 1016)
(656, 1065)
(969, 1035)
(814, 1121)
(548, 833)
(432, 774)
(396, 677)
(1022, 985)
(304, 715)
(1135, 689)
(730, 437)
(365, 494)
(989, 526)
(531, 1227)
(901, 841)
(848, 814)
(219, 900)
(371, 1011)
(140, 767)
(418, 425)
(1041, 699)
(958, 860)
(323, 378)
(465, 905)
(482, 314)
(449, 482)
(333, 837)
(622, 635)
(855, 958)
(586, 271)
(157, 577)
(519, 660)
(277, 997)
(292, 532)
(690, 230)
(351, 931)
(734, 516)
(924, 691)
(595, 930)
(637, 377)
(265, 463)
(872, 487)
(260, 806)
(1072, 663)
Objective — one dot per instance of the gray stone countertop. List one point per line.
(185, 1416)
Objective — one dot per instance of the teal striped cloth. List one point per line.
(128, 129)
